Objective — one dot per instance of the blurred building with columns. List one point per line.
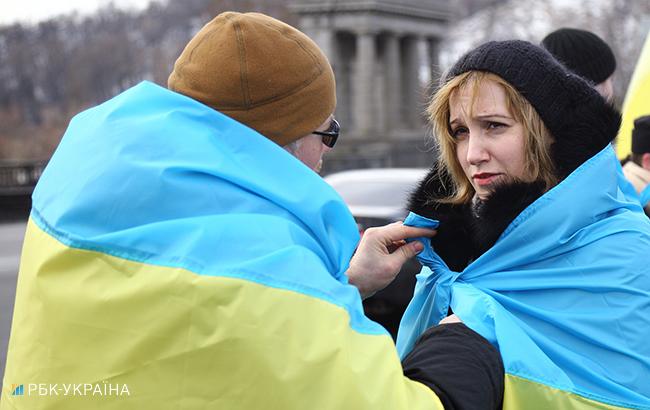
(384, 54)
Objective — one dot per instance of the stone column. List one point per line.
(423, 64)
(345, 45)
(325, 38)
(363, 104)
(393, 97)
(411, 95)
(320, 29)
(434, 60)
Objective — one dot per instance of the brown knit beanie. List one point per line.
(259, 71)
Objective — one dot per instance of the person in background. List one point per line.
(586, 54)
(636, 166)
(182, 252)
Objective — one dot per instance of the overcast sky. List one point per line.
(32, 11)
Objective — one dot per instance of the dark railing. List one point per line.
(17, 182)
(19, 178)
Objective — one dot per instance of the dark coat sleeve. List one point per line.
(459, 365)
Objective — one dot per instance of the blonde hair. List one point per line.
(537, 138)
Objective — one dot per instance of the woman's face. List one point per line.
(489, 141)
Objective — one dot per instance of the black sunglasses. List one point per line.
(331, 134)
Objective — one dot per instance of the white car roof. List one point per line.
(377, 193)
(377, 174)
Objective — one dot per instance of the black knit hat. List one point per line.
(579, 119)
(582, 52)
(641, 135)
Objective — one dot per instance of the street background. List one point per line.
(11, 239)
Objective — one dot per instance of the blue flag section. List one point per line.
(564, 294)
(165, 166)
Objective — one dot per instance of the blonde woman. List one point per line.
(540, 248)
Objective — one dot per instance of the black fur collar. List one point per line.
(466, 231)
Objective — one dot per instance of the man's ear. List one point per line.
(645, 160)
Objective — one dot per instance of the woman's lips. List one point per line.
(484, 178)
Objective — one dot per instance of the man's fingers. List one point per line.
(396, 232)
(406, 252)
(415, 247)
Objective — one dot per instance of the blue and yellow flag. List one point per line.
(637, 101)
(175, 258)
(564, 294)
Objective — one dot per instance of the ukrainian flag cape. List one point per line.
(564, 294)
(181, 254)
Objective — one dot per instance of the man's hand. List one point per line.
(381, 254)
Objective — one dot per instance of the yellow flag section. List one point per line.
(637, 101)
(154, 337)
(521, 393)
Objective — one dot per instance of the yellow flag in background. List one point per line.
(637, 101)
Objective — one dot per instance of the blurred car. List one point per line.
(377, 197)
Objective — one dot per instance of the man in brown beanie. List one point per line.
(274, 79)
(264, 74)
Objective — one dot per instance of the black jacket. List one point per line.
(460, 366)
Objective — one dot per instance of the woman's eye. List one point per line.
(492, 125)
(459, 132)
